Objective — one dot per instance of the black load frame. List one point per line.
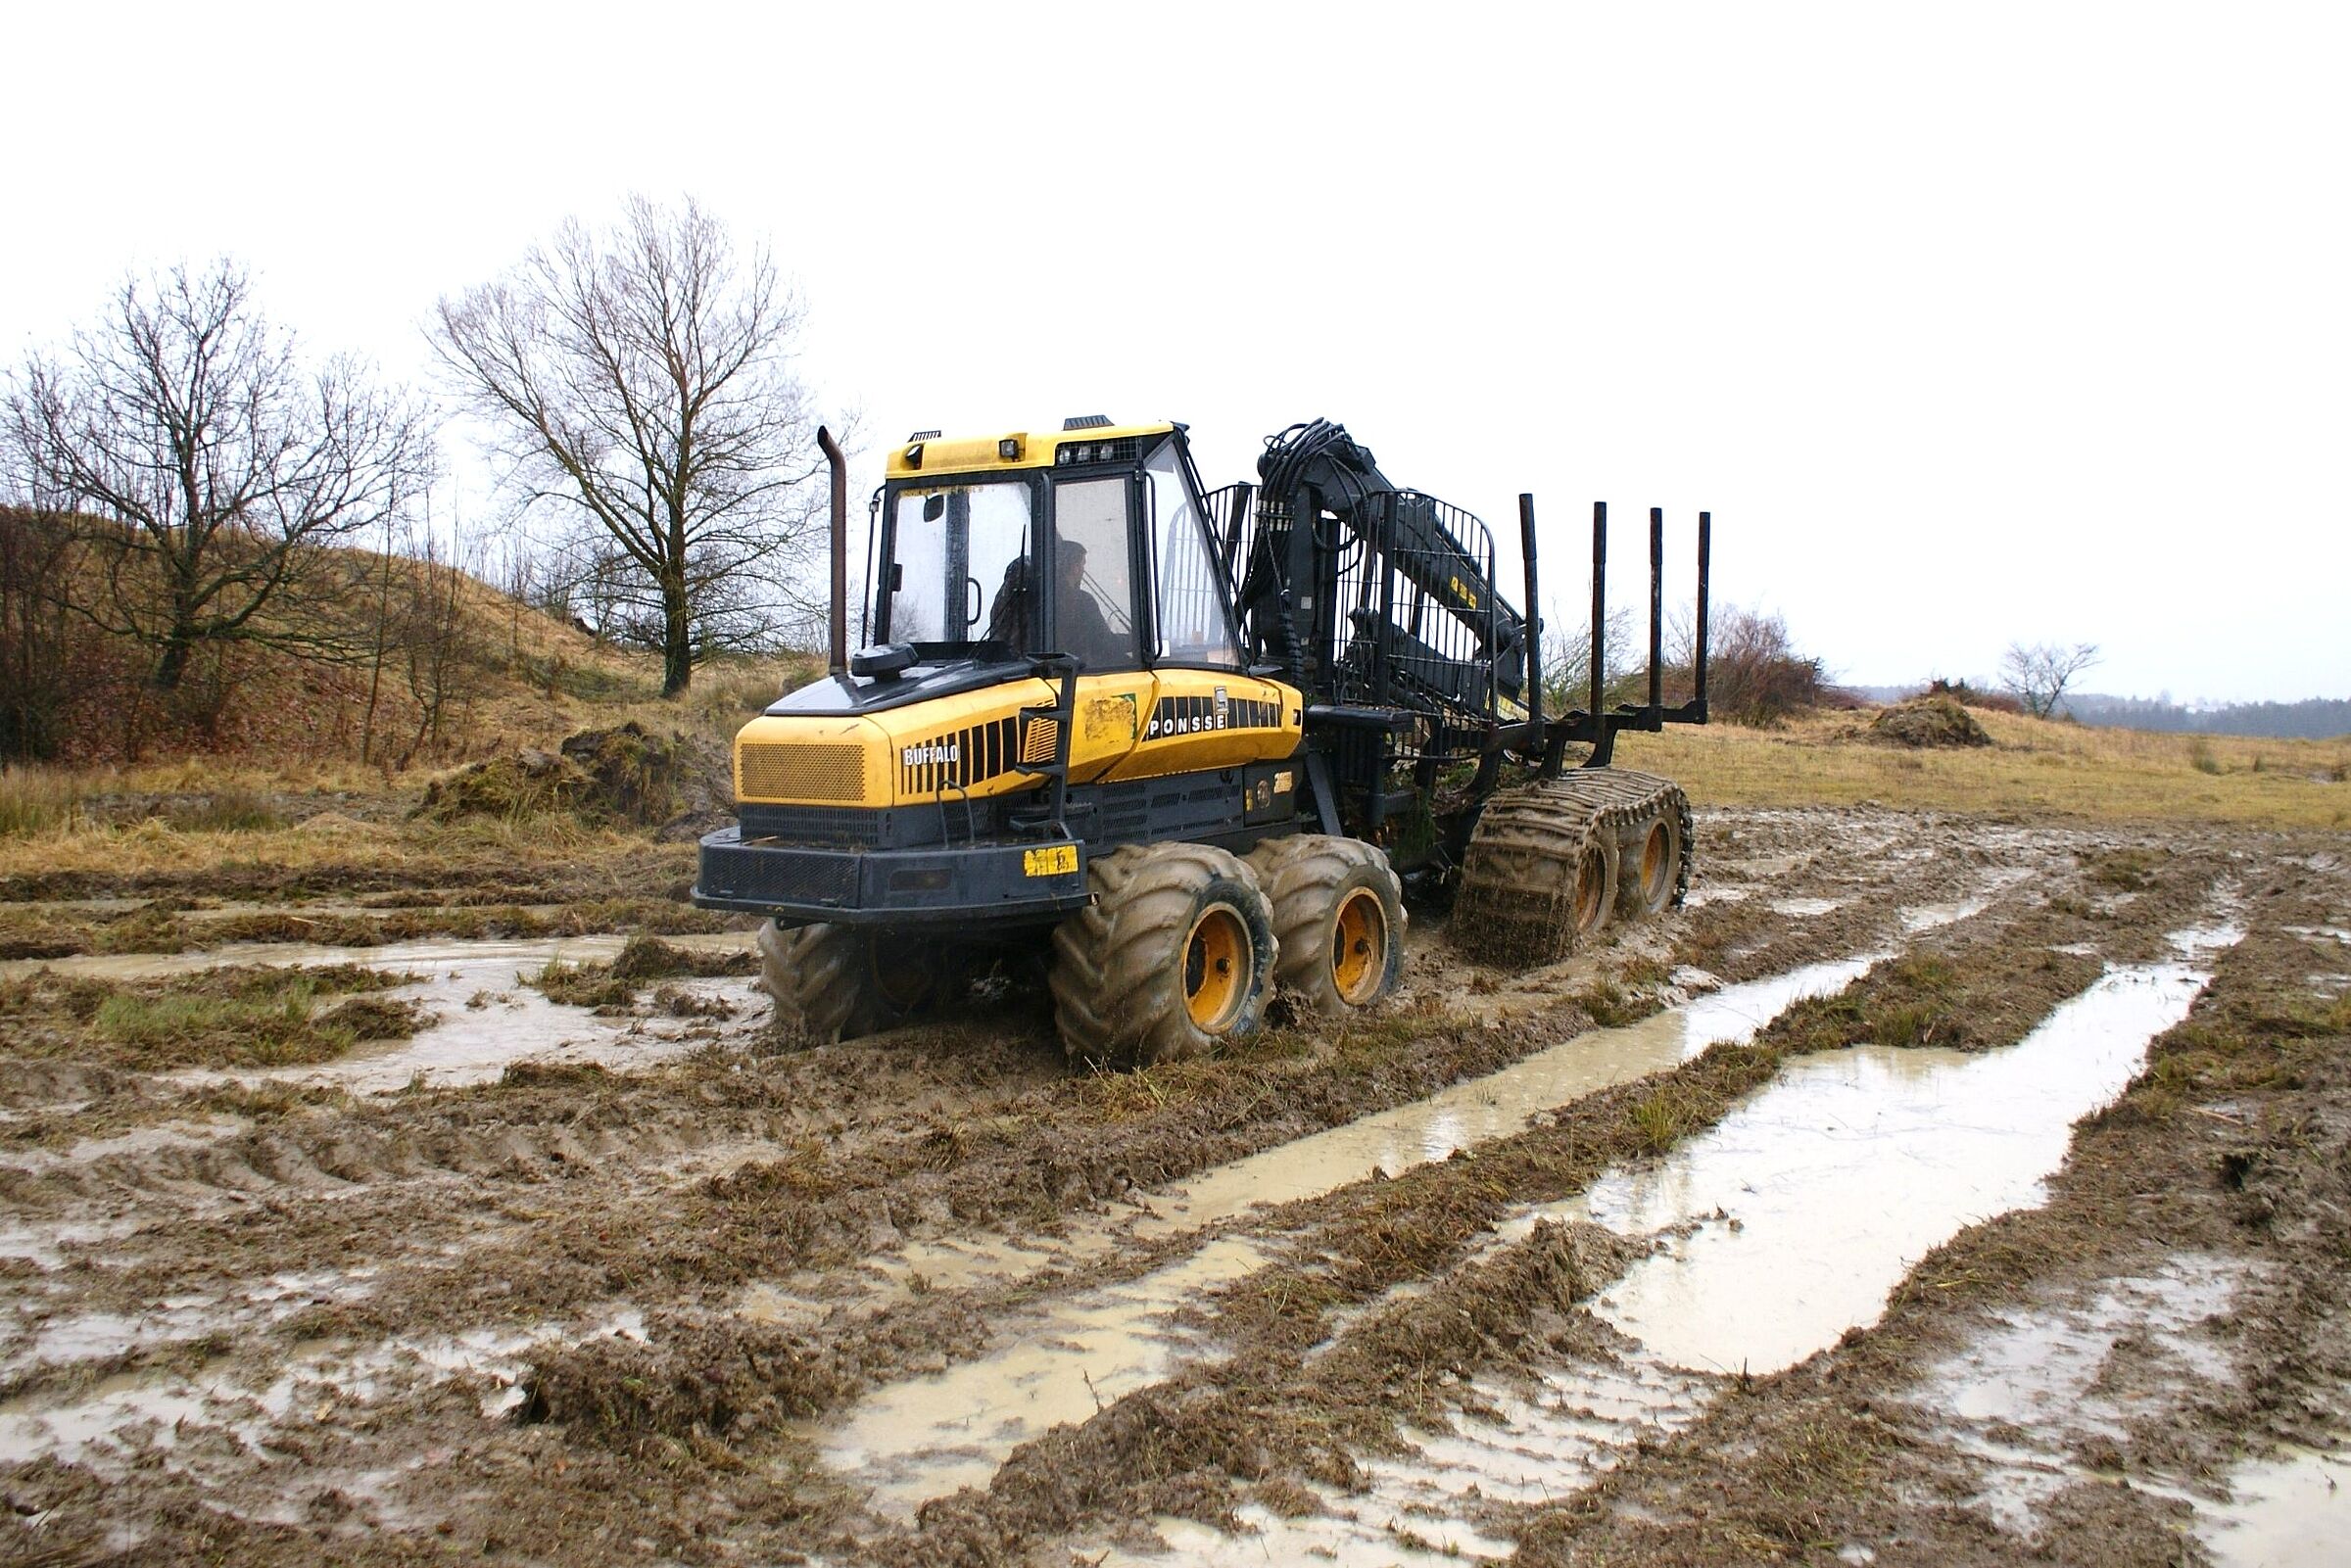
(1337, 574)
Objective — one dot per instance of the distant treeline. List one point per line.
(2314, 719)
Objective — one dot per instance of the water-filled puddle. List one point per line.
(2023, 1396)
(1535, 1447)
(468, 1044)
(1462, 1115)
(1806, 908)
(2289, 1510)
(122, 1416)
(1918, 918)
(1785, 1224)
(1495, 1105)
(1852, 1166)
(926, 1437)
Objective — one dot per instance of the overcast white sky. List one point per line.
(1971, 324)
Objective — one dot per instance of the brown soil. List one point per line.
(643, 960)
(1929, 721)
(524, 1318)
(622, 775)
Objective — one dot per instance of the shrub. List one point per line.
(1753, 674)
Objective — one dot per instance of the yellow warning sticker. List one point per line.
(1057, 861)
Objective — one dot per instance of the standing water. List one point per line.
(1788, 1224)
(921, 1437)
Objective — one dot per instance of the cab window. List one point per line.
(1193, 624)
(1094, 605)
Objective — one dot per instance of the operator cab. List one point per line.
(986, 554)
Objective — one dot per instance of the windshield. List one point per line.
(959, 569)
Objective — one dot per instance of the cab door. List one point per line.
(1207, 711)
(1097, 615)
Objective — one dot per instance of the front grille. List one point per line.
(853, 827)
(766, 769)
(778, 876)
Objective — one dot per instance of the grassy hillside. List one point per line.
(274, 775)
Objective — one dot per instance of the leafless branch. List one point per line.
(202, 465)
(2038, 673)
(639, 380)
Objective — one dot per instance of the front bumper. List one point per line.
(942, 885)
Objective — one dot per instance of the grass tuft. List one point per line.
(641, 961)
(39, 800)
(230, 1018)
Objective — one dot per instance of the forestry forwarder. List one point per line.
(1191, 740)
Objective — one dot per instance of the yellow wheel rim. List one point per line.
(1359, 947)
(1217, 969)
(1657, 863)
(1591, 891)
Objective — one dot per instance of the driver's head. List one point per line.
(1072, 562)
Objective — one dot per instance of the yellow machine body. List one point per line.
(1133, 724)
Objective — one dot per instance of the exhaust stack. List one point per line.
(840, 464)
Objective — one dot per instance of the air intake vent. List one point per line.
(924, 434)
(1040, 739)
(1086, 421)
(794, 772)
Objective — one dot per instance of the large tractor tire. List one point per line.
(1175, 955)
(837, 982)
(1338, 915)
(1545, 869)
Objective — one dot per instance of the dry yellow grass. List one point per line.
(2035, 769)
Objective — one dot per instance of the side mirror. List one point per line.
(933, 509)
(885, 663)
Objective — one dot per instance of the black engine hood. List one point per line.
(841, 694)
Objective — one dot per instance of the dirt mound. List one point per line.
(1970, 696)
(622, 776)
(724, 1379)
(1928, 720)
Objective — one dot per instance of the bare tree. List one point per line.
(640, 380)
(202, 466)
(37, 562)
(2040, 672)
(446, 666)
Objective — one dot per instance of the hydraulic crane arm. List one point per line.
(1353, 580)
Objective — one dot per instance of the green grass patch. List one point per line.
(1611, 1005)
(235, 1016)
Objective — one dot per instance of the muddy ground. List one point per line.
(1932, 1190)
